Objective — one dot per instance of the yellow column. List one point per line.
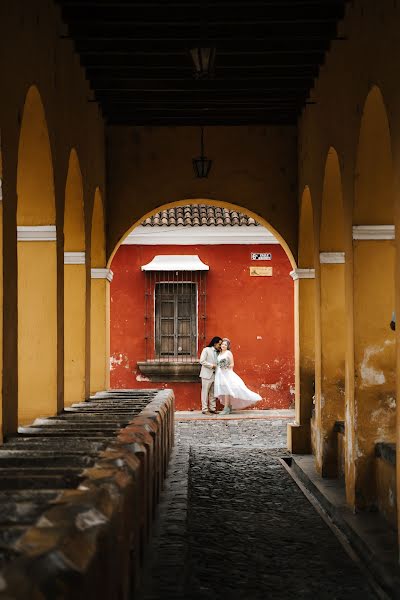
(374, 415)
(74, 327)
(330, 388)
(37, 322)
(100, 330)
(304, 294)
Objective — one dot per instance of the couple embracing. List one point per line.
(219, 380)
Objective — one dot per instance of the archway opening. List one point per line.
(374, 295)
(37, 266)
(245, 262)
(74, 285)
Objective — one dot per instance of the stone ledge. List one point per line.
(164, 370)
(90, 543)
(368, 534)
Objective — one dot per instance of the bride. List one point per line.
(228, 386)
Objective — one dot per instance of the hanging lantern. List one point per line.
(203, 61)
(201, 164)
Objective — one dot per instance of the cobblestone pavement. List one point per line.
(233, 524)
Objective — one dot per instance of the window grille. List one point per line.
(175, 315)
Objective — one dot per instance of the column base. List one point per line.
(299, 438)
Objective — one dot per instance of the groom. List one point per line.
(208, 361)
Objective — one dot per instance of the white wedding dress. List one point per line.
(228, 383)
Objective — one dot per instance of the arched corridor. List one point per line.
(280, 117)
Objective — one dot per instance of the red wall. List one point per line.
(255, 313)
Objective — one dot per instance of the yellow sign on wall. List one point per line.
(260, 271)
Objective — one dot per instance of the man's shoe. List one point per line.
(213, 412)
(205, 412)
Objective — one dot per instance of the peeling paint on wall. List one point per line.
(371, 375)
(119, 360)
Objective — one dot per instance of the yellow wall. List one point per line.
(331, 387)
(74, 288)
(331, 322)
(37, 341)
(254, 167)
(375, 357)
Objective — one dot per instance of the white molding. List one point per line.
(102, 274)
(302, 274)
(74, 258)
(332, 258)
(177, 262)
(36, 233)
(373, 232)
(204, 234)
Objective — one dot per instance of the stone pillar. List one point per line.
(74, 327)
(37, 322)
(330, 376)
(100, 330)
(299, 435)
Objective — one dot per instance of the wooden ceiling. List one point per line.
(136, 56)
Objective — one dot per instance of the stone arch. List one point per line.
(374, 294)
(35, 183)
(74, 221)
(74, 285)
(332, 232)
(98, 242)
(306, 231)
(37, 265)
(374, 166)
(218, 203)
(99, 301)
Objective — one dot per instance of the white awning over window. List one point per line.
(179, 262)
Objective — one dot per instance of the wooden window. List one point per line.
(175, 320)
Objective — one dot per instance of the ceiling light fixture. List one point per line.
(203, 61)
(202, 164)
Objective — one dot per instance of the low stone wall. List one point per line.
(86, 538)
(385, 476)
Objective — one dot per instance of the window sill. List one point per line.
(164, 370)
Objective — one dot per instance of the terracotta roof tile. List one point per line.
(199, 215)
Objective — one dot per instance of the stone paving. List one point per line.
(233, 524)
